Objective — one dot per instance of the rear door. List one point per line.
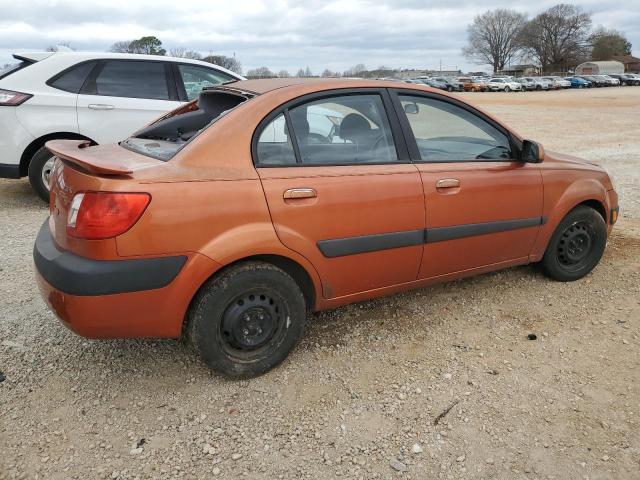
(483, 205)
(120, 96)
(341, 190)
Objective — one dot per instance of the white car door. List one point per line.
(121, 96)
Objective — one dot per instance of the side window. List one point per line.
(196, 78)
(349, 129)
(73, 79)
(447, 133)
(133, 79)
(274, 145)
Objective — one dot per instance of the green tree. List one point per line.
(607, 43)
(149, 45)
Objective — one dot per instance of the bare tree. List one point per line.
(358, 70)
(304, 73)
(284, 74)
(493, 37)
(558, 38)
(121, 47)
(328, 73)
(260, 72)
(230, 63)
(59, 47)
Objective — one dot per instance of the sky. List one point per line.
(284, 34)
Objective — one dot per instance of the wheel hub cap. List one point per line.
(46, 172)
(575, 245)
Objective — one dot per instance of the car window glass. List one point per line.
(196, 78)
(72, 79)
(349, 129)
(134, 79)
(274, 145)
(447, 133)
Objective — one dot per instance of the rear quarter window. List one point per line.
(72, 79)
(10, 68)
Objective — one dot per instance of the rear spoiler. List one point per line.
(32, 56)
(100, 160)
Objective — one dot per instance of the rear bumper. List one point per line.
(9, 171)
(118, 298)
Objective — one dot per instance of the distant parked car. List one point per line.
(595, 81)
(540, 84)
(577, 82)
(504, 85)
(626, 79)
(472, 84)
(608, 81)
(558, 82)
(434, 83)
(452, 84)
(527, 84)
(98, 97)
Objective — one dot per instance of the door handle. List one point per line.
(448, 183)
(100, 106)
(295, 193)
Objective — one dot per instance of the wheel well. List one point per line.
(597, 206)
(39, 142)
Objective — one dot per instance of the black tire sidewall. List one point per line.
(550, 264)
(214, 297)
(36, 164)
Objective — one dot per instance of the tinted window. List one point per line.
(135, 79)
(447, 133)
(73, 79)
(10, 68)
(274, 145)
(343, 130)
(196, 78)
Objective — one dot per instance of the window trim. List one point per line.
(90, 88)
(177, 76)
(402, 153)
(412, 144)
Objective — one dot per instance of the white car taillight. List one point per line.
(9, 98)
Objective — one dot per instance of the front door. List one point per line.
(122, 96)
(340, 194)
(483, 206)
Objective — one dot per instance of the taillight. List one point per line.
(9, 98)
(97, 215)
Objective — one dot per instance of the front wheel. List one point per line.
(245, 321)
(576, 246)
(40, 168)
(507, 89)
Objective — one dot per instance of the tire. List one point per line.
(507, 89)
(576, 246)
(449, 89)
(39, 171)
(245, 321)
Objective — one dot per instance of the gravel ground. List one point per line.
(436, 383)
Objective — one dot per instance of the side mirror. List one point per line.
(532, 152)
(411, 108)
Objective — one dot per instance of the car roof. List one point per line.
(77, 57)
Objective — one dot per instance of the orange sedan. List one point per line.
(230, 218)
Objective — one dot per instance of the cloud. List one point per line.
(281, 33)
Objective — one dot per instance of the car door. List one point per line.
(122, 95)
(347, 198)
(483, 205)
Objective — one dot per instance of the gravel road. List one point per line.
(436, 383)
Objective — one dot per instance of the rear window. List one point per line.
(132, 79)
(72, 79)
(9, 68)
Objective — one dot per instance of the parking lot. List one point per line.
(436, 383)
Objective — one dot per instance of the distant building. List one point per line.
(600, 68)
(520, 70)
(631, 63)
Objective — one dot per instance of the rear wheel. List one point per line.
(507, 89)
(40, 168)
(247, 320)
(576, 246)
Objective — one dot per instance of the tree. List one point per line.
(607, 43)
(558, 38)
(260, 72)
(358, 70)
(59, 47)
(121, 47)
(284, 74)
(230, 63)
(182, 52)
(148, 45)
(328, 73)
(493, 37)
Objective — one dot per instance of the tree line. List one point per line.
(557, 39)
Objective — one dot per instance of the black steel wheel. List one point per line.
(246, 320)
(576, 246)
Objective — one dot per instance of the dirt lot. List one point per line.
(359, 397)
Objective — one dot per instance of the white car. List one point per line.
(503, 84)
(99, 97)
(558, 82)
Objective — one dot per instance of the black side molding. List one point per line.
(370, 243)
(76, 275)
(341, 247)
(9, 171)
(441, 234)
